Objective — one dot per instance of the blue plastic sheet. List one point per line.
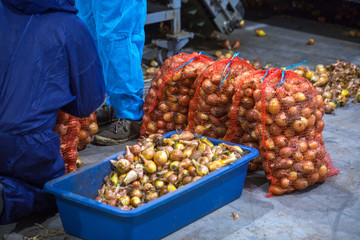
(48, 62)
(118, 30)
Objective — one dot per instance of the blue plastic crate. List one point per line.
(86, 218)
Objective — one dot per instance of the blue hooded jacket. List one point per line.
(48, 61)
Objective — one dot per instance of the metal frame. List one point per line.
(177, 39)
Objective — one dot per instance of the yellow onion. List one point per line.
(161, 157)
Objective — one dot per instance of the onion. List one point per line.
(323, 171)
(177, 155)
(229, 91)
(183, 100)
(306, 112)
(274, 106)
(280, 141)
(247, 102)
(219, 111)
(269, 93)
(275, 130)
(184, 91)
(170, 126)
(214, 120)
(168, 117)
(189, 71)
(241, 111)
(248, 92)
(135, 149)
(60, 129)
(202, 116)
(270, 155)
(152, 126)
(208, 86)
(280, 173)
(305, 167)
(300, 183)
(299, 97)
(173, 106)
(314, 177)
(284, 182)
(216, 79)
(245, 138)
(310, 154)
(269, 144)
(289, 132)
(276, 190)
(297, 156)
(180, 118)
(303, 146)
(281, 119)
(250, 115)
(203, 106)
(311, 121)
(212, 99)
(286, 152)
(160, 158)
(148, 153)
(257, 95)
(223, 99)
(93, 128)
(320, 125)
(300, 125)
(284, 163)
(177, 75)
(161, 124)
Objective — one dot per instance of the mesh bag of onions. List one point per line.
(88, 129)
(209, 108)
(167, 102)
(290, 133)
(243, 117)
(68, 128)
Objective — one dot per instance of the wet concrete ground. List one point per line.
(324, 211)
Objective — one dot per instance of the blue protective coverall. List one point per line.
(118, 29)
(48, 61)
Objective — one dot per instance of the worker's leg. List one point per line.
(1, 198)
(120, 31)
(22, 199)
(85, 13)
(26, 164)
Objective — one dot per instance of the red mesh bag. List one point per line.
(209, 108)
(88, 129)
(167, 102)
(290, 133)
(68, 128)
(243, 118)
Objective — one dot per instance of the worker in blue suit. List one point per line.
(118, 30)
(48, 61)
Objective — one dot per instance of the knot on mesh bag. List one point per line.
(200, 53)
(283, 77)
(227, 67)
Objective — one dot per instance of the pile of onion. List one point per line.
(208, 114)
(243, 117)
(167, 102)
(157, 166)
(290, 132)
(336, 82)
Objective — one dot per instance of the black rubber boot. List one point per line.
(105, 115)
(2, 203)
(118, 132)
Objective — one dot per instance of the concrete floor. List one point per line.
(324, 211)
